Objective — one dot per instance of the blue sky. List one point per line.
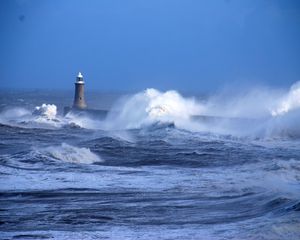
(187, 45)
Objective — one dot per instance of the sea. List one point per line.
(160, 165)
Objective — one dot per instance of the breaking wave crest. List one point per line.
(44, 116)
(288, 102)
(251, 114)
(68, 153)
(48, 111)
(152, 106)
(255, 113)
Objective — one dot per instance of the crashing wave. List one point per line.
(44, 116)
(68, 153)
(259, 113)
(151, 106)
(169, 104)
(289, 102)
(48, 111)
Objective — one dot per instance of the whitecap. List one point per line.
(68, 153)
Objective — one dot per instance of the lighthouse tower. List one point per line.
(79, 102)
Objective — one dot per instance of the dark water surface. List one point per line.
(61, 181)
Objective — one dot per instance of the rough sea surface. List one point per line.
(78, 177)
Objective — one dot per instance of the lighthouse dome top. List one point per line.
(79, 78)
(80, 75)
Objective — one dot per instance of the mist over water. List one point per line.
(270, 111)
(256, 113)
(288, 102)
(159, 166)
(152, 106)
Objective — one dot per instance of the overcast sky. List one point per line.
(186, 45)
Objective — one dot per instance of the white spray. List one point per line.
(151, 106)
(48, 111)
(288, 102)
(72, 154)
(273, 112)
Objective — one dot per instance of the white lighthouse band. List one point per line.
(79, 78)
(79, 101)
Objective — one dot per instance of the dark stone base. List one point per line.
(97, 113)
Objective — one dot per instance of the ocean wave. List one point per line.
(39, 158)
(44, 116)
(150, 107)
(276, 116)
(68, 153)
(237, 115)
(289, 101)
(48, 111)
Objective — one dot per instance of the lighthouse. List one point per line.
(79, 102)
(79, 107)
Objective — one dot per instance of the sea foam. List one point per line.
(68, 153)
(251, 113)
(48, 111)
(274, 113)
(151, 106)
(289, 101)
